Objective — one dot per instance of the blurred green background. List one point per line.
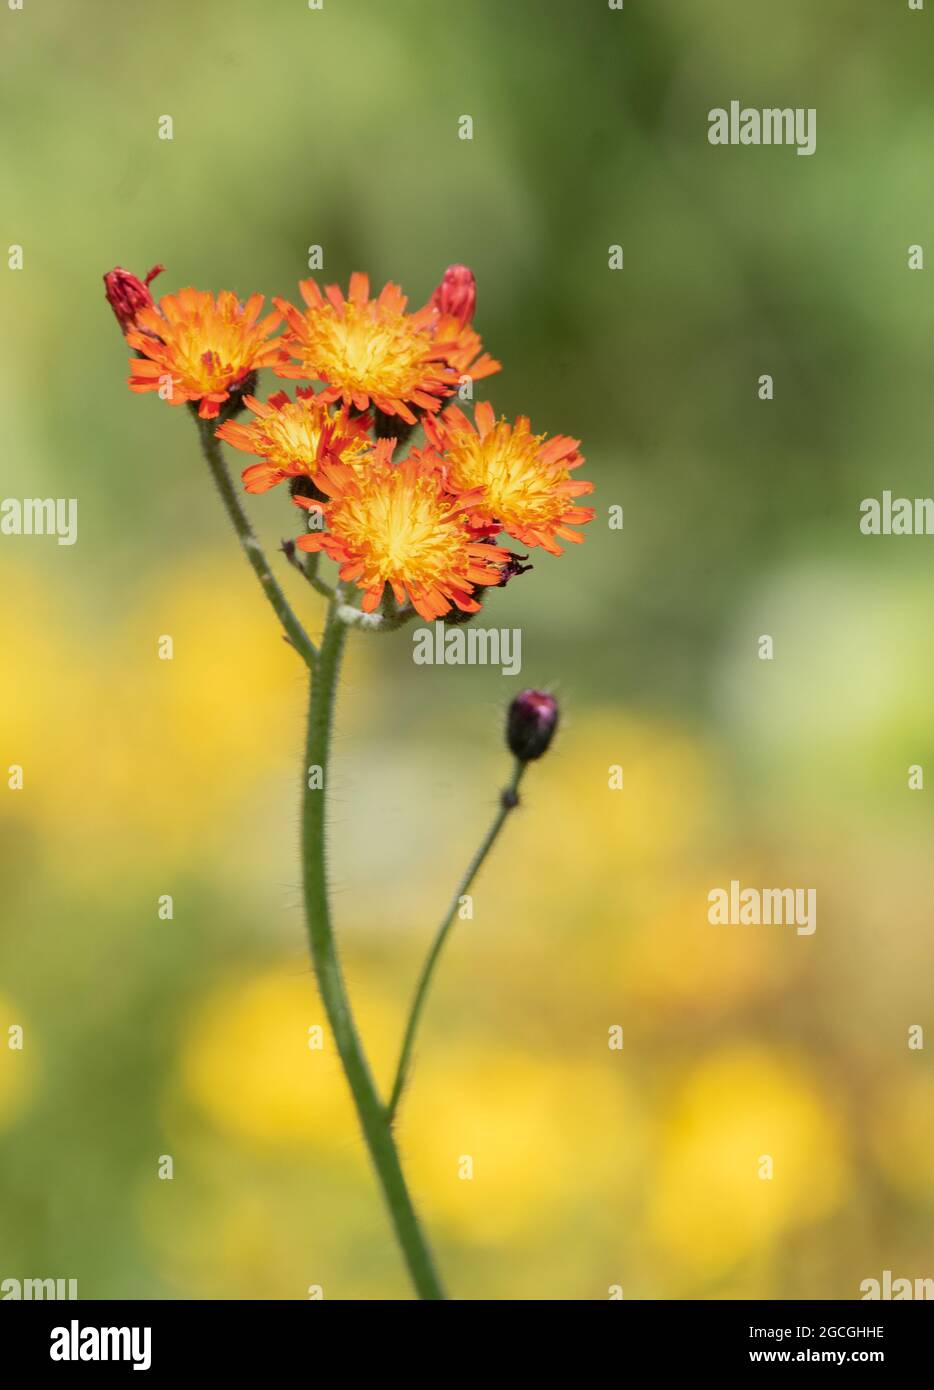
(144, 1037)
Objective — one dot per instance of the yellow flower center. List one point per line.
(211, 355)
(518, 487)
(369, 349)
(208, 344)
(400, 528)
(292, 436)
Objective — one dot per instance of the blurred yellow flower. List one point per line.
(268, 1225)
(247, 1064)
(586, 864)
(677, 964)
(159, 754)
(618, 844)
(738, 1108)
(500, 1143)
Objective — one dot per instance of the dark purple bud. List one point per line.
(531, 724)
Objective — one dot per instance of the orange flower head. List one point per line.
(292, 438)
(370, 351)
(396, 524)
(201, 349)
(523, 480)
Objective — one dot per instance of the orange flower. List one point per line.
(395, 524)
(370, 350)
(205, 349)
(523, 480)
(293, 437)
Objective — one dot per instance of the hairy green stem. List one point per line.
(291, 626)
(509, 799)
(370, 1109)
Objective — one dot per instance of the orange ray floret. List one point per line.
(370, 351)
(395, 524)
(523, 480)
(197, 348)
(293, 437)
(461, 347)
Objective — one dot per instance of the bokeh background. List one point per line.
(143, 1037)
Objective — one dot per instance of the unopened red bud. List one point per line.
(457, 293)
(127, 294)
(531, 724)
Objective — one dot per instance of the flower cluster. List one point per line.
(424, 522)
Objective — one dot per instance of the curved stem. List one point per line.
(370, 1109)
(295, 633)
(509, 799)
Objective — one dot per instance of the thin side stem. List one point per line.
(509, 799)
(294, 632)
(370, 1110)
